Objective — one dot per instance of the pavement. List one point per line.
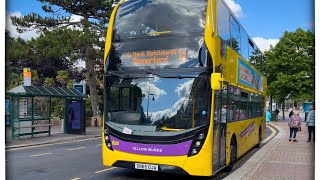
(55, 137)
(281, 158)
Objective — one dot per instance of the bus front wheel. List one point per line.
(233, 156)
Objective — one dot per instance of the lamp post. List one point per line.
(148, 101)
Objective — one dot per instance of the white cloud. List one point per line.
(144, 86)
(13, 31)
(155, 116)
(184, 88)
(236, 8)
(76, 18)
(264, 44)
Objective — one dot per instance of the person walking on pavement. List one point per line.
(311, 123)
(294, 124)
(277, 112)
(293, 110)
(268, 116)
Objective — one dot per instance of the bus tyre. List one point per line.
(259, 139)
(233, 156)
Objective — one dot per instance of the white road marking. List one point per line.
(35, 155)
(105, 170)
(76, 148)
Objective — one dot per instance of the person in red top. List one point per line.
(294, 124)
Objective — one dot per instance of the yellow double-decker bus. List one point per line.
(181, 94)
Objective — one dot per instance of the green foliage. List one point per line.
(34, 77)
(49, 82)
(290, 67)
(58, 107)
(60, 44)
(13, 80)
(70, 83)
(50, 52)
(62, 77)
(258, 61)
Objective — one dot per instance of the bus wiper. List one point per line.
(126, 76)
(148, 71)
(156, 33)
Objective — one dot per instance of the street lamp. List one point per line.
(149, 94)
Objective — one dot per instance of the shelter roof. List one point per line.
(44, 91)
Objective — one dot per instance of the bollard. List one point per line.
(95, 122)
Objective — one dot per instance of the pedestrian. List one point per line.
(293, 110)
(311, 123)
(277, 112)
(268, 116)
(294, 124)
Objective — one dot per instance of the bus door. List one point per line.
(219, 137)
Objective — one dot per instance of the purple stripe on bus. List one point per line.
(179, 149)
(251, 131)
(245, 131)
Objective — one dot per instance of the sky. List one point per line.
(265, 21)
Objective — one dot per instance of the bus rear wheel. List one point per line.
(259, 139)
(233, 156)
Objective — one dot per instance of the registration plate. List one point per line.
(150, 167)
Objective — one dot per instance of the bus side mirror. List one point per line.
(216, 81)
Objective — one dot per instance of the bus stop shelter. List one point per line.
(30, 110)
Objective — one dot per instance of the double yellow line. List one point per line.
(271, 136)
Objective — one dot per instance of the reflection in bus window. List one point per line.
(235, 35)
(158, 18)
(223, 21)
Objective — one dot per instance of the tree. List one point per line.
(16, 54)
(62, 77)
(290, 67)
(70, 83)
(49, 82)
(47, 54)
(258, 61)
(34, 77)
(95, 16)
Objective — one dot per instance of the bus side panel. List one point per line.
(247, 133)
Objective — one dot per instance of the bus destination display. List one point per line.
(155, 57)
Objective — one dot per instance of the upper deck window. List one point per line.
(223, 21)
(145, 18)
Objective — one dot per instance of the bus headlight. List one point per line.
(201, 136)
(198, 142)
(107, 139)
(194, 151)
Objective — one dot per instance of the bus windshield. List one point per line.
(169, 100)
(142, 18)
